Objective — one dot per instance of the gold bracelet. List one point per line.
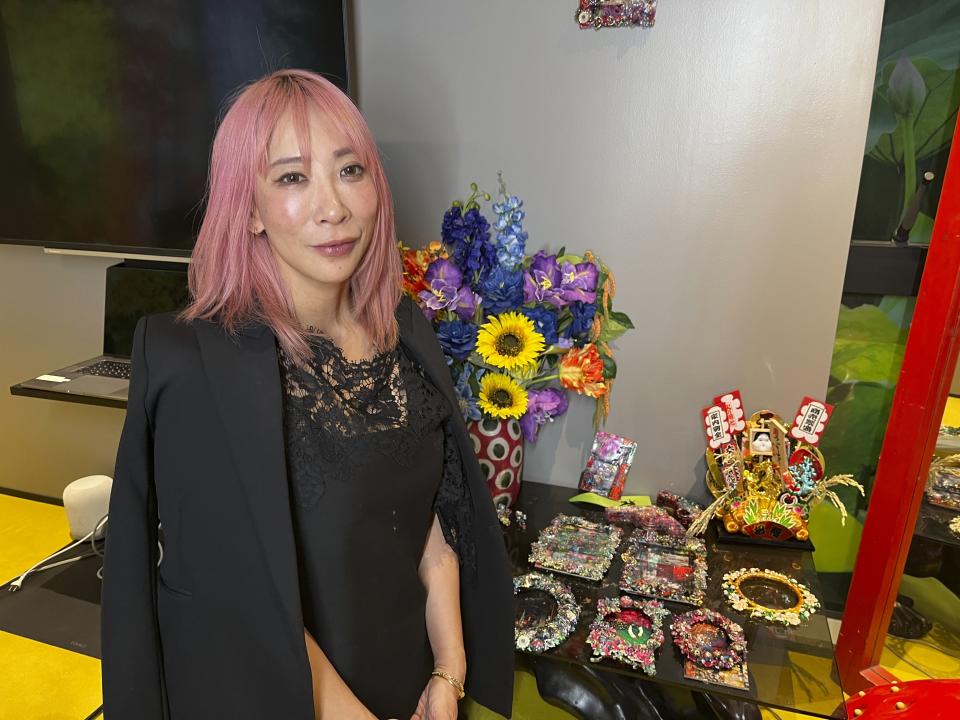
(452, 680)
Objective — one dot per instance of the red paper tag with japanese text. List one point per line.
(716, 426)
(810, 421)
(732, 403)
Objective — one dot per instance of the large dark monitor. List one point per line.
(108, 109)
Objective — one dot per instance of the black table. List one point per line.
(933, 523)
(790, 668)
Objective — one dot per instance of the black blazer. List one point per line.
(217, 631)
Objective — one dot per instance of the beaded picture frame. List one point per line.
(714, 648)
(665, 567)
(538, 635)
(628, 631)
(576, 546)
(806, 603)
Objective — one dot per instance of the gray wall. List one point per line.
(712, 161)
(52, 316)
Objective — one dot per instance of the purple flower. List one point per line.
(542, 281)
(579, 282)
(542, 406)
(445, 272)
(457, 338)
(446, 291)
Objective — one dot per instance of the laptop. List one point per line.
(131, 292)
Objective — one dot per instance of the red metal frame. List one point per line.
(908, 444)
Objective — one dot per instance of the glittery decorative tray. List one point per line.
(576, 546)
(665, 567)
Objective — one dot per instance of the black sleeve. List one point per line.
(131, 665)
(453, 505)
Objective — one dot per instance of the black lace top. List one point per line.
(371, 458)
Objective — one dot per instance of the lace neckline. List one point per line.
(325, 342)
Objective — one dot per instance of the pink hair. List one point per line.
(233, 276)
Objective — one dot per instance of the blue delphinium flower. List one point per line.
(583, 314)
(468, 403)
(511, 237)
(544, 321)
(457, 338)
(468, 236)
(501, 290)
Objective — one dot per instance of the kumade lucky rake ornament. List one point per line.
(766, 476)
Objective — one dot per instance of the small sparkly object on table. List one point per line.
(629, 631)
(805, 606)
(714, 646)
(553, 630)
(665, 567)
(576, 546)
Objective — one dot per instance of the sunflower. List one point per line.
(501, 396)
(509, 341)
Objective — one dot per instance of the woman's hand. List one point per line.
(437, 702)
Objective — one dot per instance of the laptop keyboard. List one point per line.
(107, 368)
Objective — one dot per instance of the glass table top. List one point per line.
(791, 668)
(933, 523)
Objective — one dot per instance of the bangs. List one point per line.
(299, 100)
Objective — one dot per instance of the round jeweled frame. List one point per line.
(807, 603)
(552, 632)
(606, 641)
(735, 653)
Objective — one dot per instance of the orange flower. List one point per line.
(415, 263)
(413, 270)
(581, 369)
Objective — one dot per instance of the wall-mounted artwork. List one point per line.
(599, 14)
(912, 116)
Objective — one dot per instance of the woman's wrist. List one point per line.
(452, 683)
(453, 663)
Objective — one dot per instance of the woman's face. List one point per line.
(318, 223)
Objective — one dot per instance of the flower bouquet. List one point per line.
(518, 332)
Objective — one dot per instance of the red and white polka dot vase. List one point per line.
(499, 448)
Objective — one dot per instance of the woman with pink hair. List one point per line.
(298, 526)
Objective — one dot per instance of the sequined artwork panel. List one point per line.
(576, 546)
(599, 14)
(667, 568)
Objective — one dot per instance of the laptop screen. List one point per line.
(138, 288)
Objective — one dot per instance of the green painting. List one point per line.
(912, 116)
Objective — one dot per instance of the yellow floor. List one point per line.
(41, 682)
(38, 681)
(951, 413)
